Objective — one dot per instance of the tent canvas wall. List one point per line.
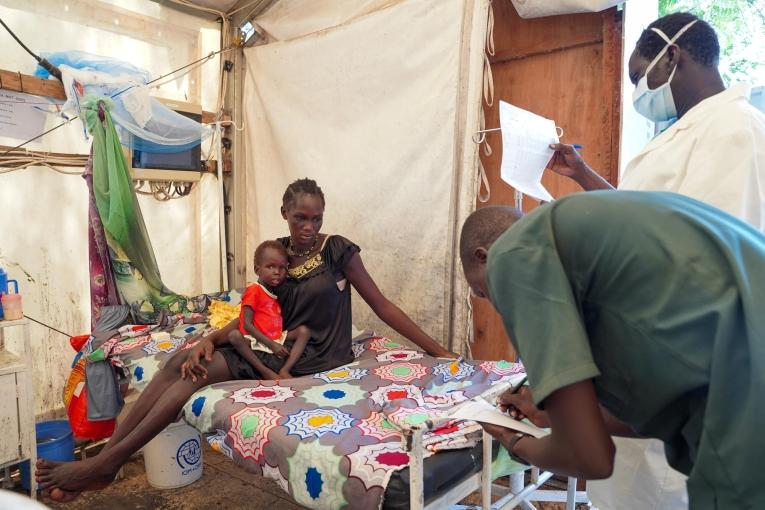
(377, 101)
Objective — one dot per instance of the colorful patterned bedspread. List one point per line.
(331, 440)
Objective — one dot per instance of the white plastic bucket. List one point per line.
(174, 458)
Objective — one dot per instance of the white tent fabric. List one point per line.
(376, 101)
(296, 18)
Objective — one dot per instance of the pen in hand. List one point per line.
(519, 385)
(513, 391)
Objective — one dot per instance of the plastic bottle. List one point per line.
(12, 309)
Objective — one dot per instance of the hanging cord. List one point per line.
(490, 32)
(488, 75)
(174, 77)
(163, 191)
(487, 150)
(46, 164)
(484, 188)
(470, 333)
(47, 326)
(20, 160)
(212, 54)
(55, 71)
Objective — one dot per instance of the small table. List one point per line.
(16, 403)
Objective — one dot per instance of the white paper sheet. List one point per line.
(19, 117)
(526, 139)
(481, 411)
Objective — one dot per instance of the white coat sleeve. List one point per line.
(727, 168)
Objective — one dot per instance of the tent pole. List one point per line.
(222, 207)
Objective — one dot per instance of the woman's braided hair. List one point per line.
(700, 41)
(306, 186)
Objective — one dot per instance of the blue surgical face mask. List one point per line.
(657, 104)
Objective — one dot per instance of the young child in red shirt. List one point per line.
(260, 321)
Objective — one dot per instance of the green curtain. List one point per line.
(135, 269)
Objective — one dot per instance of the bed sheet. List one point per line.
(330, 440)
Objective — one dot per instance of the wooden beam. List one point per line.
(28, 84)
(510, 55)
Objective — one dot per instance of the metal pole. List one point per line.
(222, 207)
(486, 478)
(416, 487)
(571, 494)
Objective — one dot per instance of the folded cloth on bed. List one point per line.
(221, 313)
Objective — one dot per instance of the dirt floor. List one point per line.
(224, 485)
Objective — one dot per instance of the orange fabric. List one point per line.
(267, 314)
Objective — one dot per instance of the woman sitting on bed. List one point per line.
(317, 294)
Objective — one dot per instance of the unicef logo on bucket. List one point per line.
(188, 456)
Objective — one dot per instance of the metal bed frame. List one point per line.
(517, 494)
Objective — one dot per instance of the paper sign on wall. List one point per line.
(20, 117)
(526, 139)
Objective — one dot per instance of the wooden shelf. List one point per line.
(16, 402)
(28, 84)
(10, 363)
(8, 324)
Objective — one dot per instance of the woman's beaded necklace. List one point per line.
(291, 248)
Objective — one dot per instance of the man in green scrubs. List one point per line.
(635, 313)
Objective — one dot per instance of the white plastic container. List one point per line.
(174, 458)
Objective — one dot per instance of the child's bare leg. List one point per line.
(243, 347)
(300, 335)
(95, 472)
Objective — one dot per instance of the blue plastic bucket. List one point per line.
(54, 442)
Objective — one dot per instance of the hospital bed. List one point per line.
(371, 434)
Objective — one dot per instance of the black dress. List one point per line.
(316, 294)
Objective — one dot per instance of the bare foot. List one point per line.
(61, 496)
(72, 477)
(55, 494)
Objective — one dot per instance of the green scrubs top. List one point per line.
(660, 299)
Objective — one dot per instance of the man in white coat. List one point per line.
(714, 152)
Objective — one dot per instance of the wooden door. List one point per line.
(566, 68)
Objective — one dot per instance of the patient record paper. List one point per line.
(481, 411)
(526, 139)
